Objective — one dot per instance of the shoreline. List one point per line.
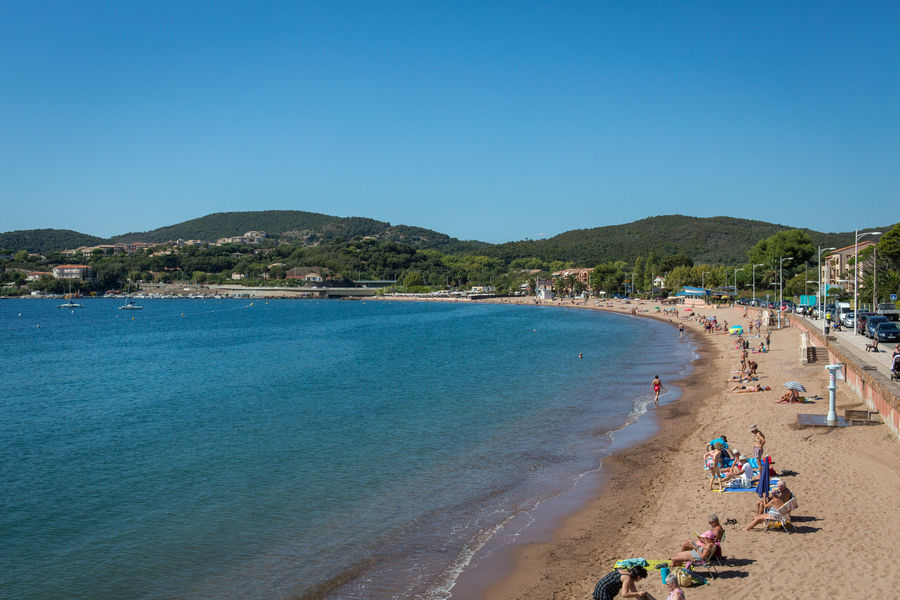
(522, 562)
(655, 493)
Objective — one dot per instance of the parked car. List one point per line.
(872, 322)
(861, 321)
(849, 318)
(887, 331)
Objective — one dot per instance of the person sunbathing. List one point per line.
(781, 487)
(789, 397)
(770, 510)
(743, 389)
(715, 527)
(743, 378)
(740, 469)
(701, 552)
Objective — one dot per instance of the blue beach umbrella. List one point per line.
(762, 488)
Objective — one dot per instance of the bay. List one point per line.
(274, 449)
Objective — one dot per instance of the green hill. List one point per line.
(705, 239)
(305, 227)
(44, 241)
(713, 239)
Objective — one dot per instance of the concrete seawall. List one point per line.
(873, 387)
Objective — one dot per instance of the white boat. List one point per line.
(130, 306)
(69, 304)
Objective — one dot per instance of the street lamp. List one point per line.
(856, 274)
(781, 287)
(754, 278)
(735, 280)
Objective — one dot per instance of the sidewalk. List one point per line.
(856, 346)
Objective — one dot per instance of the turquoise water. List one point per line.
(283, 449)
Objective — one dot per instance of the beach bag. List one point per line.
(687, 578)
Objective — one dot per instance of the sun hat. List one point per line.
(709, 534)
(753, 428)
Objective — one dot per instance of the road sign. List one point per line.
(893, 297)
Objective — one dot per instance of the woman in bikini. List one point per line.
(713, 461)
(657, 386)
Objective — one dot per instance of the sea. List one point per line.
(299, 449)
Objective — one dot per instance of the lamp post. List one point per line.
(856, 274)
(754, 278)
(735, 280)
(703, 284)
(781, 287)
(821, 297)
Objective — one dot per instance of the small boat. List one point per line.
(69, 304)
(130, 306)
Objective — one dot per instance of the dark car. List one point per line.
(861, 321)
(872, 322)
(887, 332)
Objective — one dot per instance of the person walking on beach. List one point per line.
(657, 386)
(768, 335)
(743, 358)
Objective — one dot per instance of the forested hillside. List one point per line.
(307, 228)
(42, 241)
(713, 240)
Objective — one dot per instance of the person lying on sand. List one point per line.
(714, 526)
(702, 552)
(771, 507)
(743, 389)
(621, 580)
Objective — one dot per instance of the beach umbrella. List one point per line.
(795, 385)
(762, 488)
(736, 329)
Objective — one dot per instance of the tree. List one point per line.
(889, 246)
(789, 242)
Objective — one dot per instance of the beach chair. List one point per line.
(783, 518)
(710, 564)
(717, 557)
(873, 346)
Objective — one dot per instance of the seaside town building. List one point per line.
(838, 265)
(36, 275)
(251, 237)
(73, 272)
(582, 275)
(123, 248)
(307, 274)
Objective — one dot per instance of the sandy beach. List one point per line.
(846, 480)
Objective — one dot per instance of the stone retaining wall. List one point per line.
(872, 387)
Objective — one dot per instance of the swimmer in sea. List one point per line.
(657, 386)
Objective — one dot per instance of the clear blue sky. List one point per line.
(490, 121)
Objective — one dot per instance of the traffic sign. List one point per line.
(893, 297)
